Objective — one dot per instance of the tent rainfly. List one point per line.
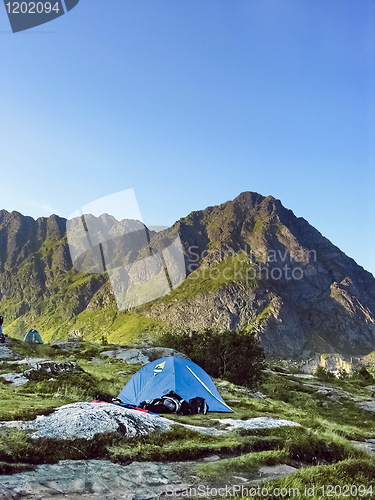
(180, 375)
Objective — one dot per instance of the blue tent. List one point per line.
(33, 337)
(180, 375)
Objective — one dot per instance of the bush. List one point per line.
(234, 356)
(323, 375)
(363, 376)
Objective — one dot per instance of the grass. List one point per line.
(39, 396)
(313, 482)
(61, 313)
(321, 448)
(234, 269)
(17, 405)
(293, 446)
(248, 462)
(182, 444)
(17, 448)
(291, 399)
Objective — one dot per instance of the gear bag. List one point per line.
(198, 405)
(169, 403)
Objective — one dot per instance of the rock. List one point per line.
(27, 361)
(240, 478)
(162, 352)
(15, 378)
(7, 353)
(367, 405)
(333, 363)
(142, 355)
(259, 395)
(330, 393)
(265, 473)
(92, 479)
(208, 431)
(275, 471)
(255, 423)
(368, 445)
(65, 346)
(212, 458)
(97, 361)
(50, 367)
(130, 356)
(85, 420)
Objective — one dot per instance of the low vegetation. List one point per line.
(352, 478)
(236, 269)
(321, 449)
(229, 352)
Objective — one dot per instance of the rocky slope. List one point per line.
(262, 268)
(251, 263)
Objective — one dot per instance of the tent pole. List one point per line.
(140, 392)
(207, 389)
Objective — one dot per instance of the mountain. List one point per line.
(250, 264)
(283, 280)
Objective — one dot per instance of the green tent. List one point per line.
(33, 337)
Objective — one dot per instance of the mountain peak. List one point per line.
(250, 264)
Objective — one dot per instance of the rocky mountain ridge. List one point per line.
(302, 294)
(250, 264)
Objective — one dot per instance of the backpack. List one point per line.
(182, 407)
(198, 405)
(169, 403)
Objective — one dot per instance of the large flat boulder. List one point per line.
(92, 479)
(85, 420)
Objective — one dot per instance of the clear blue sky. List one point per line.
(191, 102)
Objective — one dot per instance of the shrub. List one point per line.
(234, 356)
(363, 376)
(323, 375)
